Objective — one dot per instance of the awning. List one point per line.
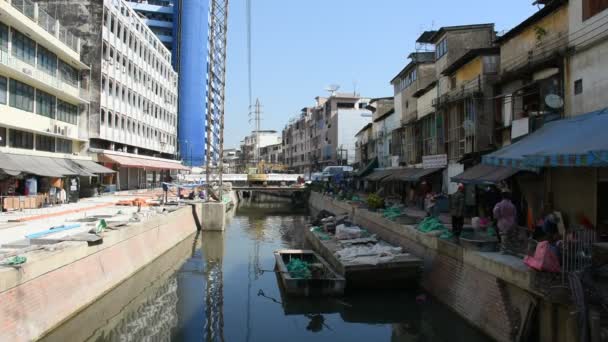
(14, 164)
(579, 141)
(415, 174)
(379, 175)
(485, 174)
(149, 164)
(92, 167)
(368, 168)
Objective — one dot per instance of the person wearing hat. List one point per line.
(457, 212)
(505, 214)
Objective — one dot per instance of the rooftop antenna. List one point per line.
(332, 89)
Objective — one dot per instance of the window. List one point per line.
(64, 145)
(67, 112)
(68, 74)
(593, 7)
(21, 139)
(47, 61)
(3, 95)
(578, 86)
(45, 104)
(21, 96)
(441, 48)
(45, 143)
(3, 37)
(103, 116)
(2, 136)
(453, 82)
(24, 48)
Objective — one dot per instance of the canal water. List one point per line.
(220, 287)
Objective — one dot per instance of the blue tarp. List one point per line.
(580, 141)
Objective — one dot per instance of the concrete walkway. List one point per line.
(15, 226)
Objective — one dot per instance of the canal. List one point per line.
(220, 287)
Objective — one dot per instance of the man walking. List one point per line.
(457, 212)
(505, 213)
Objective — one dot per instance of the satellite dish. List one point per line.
(332, 89)
(554, 101)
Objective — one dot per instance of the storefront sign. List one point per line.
(435, 162)
(520, 127)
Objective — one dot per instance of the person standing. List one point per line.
(457, 212)
(505, 214)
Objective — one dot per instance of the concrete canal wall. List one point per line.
(495, 293)
(58, 282)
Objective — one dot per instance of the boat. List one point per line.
(314, 278)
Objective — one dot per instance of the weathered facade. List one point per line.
(531, 72)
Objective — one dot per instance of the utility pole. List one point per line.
(257, 118)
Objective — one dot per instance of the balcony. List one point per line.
(24, 72)
(45, 21)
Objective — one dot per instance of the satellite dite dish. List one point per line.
(554, 101)
(332, 89)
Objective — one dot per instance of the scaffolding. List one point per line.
(216, 86)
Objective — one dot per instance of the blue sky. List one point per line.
(299, 47)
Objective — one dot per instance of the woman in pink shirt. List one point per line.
(505, 213)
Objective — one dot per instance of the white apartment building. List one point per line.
(138, 85)
(42, 95)
(132, 124)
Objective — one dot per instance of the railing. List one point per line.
(26, 7)
(46, 21)
(32, 72)
(576, 251)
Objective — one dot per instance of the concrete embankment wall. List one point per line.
(495, 293)
(56, 284)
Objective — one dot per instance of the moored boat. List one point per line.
(305, 273)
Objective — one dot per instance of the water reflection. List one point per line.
(219, 286)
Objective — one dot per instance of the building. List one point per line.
(158, 15)
(325, 134)
(273, 154)
(344, 115)
(385, 129)
(182, 26)
(452, 44)
(249, 155)
(415, 76)
(585, 81)
(44, 101)
(532, 69)
(231, 162)
(298, 141)
(132, 121)
(365, 147)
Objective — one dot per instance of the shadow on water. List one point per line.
(217, 286)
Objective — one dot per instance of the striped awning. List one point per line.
(143, 163)
(578, 141)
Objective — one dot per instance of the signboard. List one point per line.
(554, 101)
(435, 162)
(394, 161)
(520, 127)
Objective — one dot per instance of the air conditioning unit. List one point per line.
(68, 131)
(27, 71)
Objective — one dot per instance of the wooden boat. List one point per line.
(322, 280)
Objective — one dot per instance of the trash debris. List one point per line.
(16, 260)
